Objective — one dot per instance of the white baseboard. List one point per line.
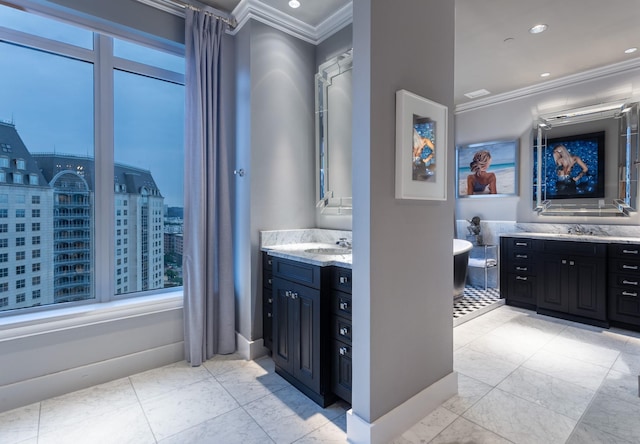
(403, 417)
(250, 350)
(43, 387)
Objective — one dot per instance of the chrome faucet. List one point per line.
(343, 242)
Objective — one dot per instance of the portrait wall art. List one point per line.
(421, 148)
(487, 169)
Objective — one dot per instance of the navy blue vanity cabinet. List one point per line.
(341, 368)
(573, 281)
(299, 327)
(624, 285)
(518, 280)
(267, 300)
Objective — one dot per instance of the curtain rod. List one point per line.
(197, 6)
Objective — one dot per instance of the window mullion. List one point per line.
(103, 196)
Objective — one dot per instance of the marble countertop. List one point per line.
(577, 237)
(299, 252)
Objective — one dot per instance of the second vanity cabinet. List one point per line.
(592, 282)
(340, 295)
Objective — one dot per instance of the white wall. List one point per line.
(514, 118)
(402, 256)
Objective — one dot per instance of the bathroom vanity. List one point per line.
(307, 317)
(590, 279)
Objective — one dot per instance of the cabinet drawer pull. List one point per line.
(291, 294)
(564, 261)
(571, 263)
(287, 294)
(629, 282)
(344, 305)
(344, 280)
(270, 300)
(630, 251)
(628, 293)
(269, 315)
(522, 268)
(294, 295)
(344, 331)
(343, 350)
(630, 267)
(269, 281)
(522, 256)
(521, 244)
(270, 261)
(521, 278)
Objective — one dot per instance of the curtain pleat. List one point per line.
(209, 308)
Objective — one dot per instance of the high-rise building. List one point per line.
(46, 226)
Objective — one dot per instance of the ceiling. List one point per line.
(496, 52)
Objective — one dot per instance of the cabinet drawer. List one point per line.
(624, 266)
(341, 372)
(516, 243)
(341, 304)
(624, 280)
(628, 251)
(267, 279)
(574, 248)
(342, 329)
(267, 261)
(341, 279)
(300, 272)
(624, 306)
(520, 267)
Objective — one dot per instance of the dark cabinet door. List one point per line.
(521, 289)
(574, 285)
(587, 295)
(341, 370)
(296, 331)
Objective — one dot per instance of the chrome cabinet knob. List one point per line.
(344, 331)
(343, 350)
(344, 305)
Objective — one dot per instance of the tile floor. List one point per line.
(523, 378)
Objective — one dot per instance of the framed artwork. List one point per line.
(421, 148)
(487, 169)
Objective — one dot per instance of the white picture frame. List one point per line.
(421, 148)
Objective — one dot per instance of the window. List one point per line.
(20, 297)
(4, 272)
(4, 198)
(4, 287)
(19, 198)
(4, 302)
(35, 294)
(21, 283)
(146, 87)
(4, 243)
(20, 269)
(4, 228)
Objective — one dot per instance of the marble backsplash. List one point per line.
(492, 230)
(302, 236)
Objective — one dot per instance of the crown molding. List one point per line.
(257, 10)
(550, 85)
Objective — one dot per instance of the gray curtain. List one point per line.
(209, 312)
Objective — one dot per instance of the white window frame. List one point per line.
(104, 210)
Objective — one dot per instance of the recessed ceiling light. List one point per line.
(294, 4)
(545, 74)
(538, 29)
(630, 50)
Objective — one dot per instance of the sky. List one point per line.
(49, 98)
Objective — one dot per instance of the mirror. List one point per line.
(333, 134)
(586, 161)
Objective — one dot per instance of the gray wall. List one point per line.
(402, 257)
(513, 119)
(275, 146)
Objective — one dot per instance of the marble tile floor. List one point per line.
(523, 378)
